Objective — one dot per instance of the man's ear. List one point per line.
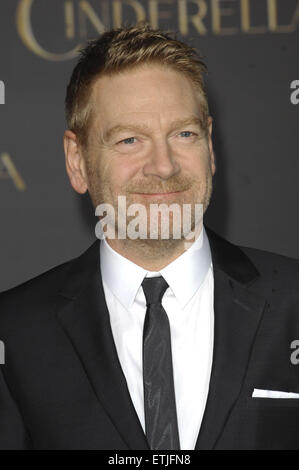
(210, 143)
(74, 162)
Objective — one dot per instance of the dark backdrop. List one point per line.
(251, 49)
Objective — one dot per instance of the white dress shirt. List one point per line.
(189, 304)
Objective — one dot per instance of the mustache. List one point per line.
(164, 187)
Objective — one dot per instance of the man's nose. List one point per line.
(161, 161)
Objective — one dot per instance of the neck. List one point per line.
(152, 255)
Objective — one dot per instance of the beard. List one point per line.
(154, 234)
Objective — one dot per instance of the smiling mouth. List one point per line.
(159, 194)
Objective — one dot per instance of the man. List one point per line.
(149, 342)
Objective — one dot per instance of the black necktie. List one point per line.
(161, 427)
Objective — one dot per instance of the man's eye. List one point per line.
(129, 140)
(187, 133)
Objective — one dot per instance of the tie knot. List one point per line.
(154, 289)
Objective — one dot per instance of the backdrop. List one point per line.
(251, 49)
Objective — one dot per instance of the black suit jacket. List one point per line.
(62, 386)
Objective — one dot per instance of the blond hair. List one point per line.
(123, 49)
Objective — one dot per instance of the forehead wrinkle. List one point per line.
(195, 120)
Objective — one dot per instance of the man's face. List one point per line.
(138, 144)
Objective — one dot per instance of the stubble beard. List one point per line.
(153, 248)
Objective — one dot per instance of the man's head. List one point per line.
(138, 121)
(120, 50)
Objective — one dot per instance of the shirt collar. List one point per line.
(184, 275)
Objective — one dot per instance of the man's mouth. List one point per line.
(159, 194)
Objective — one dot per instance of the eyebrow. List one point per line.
(143, 127)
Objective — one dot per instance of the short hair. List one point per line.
(123, 49)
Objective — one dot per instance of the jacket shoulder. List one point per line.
(264, 258)
(36, 294)
(246, 264)
(284, 269)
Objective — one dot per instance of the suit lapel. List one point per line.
(82, 311)
(83, 314)
(237, 311)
